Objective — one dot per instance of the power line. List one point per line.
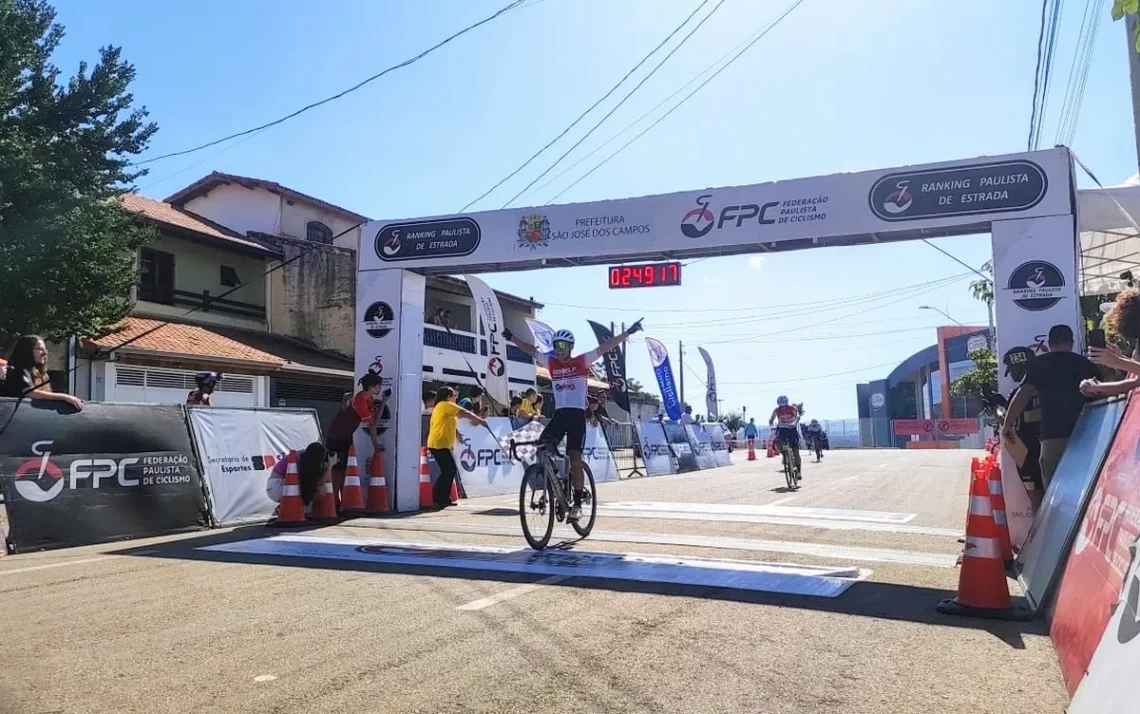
(592, 107)
(1078, 74)
(620, 102)
(687, 97)
(334, 97)
(1046, 49)
(816, 376)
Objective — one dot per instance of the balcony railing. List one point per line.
(463, 342)
(202, 300)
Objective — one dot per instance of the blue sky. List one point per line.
(837, 86)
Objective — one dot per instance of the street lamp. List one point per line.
(928, 307)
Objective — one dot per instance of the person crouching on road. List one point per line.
(443, 433)
(312, 464)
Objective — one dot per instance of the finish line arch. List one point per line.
(1025, 201)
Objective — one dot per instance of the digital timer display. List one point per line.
(645, 275)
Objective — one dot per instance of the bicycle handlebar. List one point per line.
(540, 443)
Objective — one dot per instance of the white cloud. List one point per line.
(756, 261)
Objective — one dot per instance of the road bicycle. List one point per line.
(791, 470)
(546, 495)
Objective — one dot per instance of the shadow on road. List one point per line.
(880, 600)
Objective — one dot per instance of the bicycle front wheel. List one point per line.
(585, 524)
(789, 471)
(536, 507)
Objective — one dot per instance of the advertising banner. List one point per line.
(1042, 557)
(913, 427)
(719, 445)
(109, 472)
(491, 313)
(682, 449)
(1112, 685)
(711, 404)
(615, 367)
(659, 357)
(239, 448)
(655, 451)
(702, 446)
(911, 198)
(1100, 554)
(1035, 282)
(956, 427)
(543, 336)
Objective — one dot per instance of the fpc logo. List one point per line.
(39, 480)
(467, 458)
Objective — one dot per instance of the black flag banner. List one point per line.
(615, 366)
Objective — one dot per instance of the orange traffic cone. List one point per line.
(1001, 525)
(351, 495)
(291, 511)
(771, 448)
(751, 449)
(427, 499)
(982, 587)
(377, 485)
(324, 505)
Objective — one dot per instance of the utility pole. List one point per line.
(1134, 74)
(681, 369)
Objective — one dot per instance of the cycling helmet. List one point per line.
(782, 401)
(203, 377)
(563, 336)
(814, 422)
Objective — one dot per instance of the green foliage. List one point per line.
(983, 290)
(1120, 8)
(67, 248)
(984, 373)
(732, 420)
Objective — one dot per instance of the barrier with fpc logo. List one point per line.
(108, 472)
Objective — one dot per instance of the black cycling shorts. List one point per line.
(788, 435)
(569, 423)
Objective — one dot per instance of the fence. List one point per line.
(624, 446)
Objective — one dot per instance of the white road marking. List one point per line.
(781, 501)
(769, 509)
(264, 678)
(776, 520)
(822, 550)
(486, 602)
(55, 565)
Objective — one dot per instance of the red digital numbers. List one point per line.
(645, 275)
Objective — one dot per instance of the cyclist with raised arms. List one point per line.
(569, 375)
(786, 419)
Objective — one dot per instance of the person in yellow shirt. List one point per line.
(443, 432)
(526, 410)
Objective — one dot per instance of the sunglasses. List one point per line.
(562, 344)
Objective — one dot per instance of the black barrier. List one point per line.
(109, 472)
(682, 449)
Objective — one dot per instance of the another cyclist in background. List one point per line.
(207, 382)
(815, 438)
(569, 376)
(786, 417)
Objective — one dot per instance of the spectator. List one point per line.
(594, 414)
(687, 416)
(312, 464)
(1112, 358)
(1124, 318)
(202, 396)
(750, 433)
(443, 433)
(1055, 378)
(360, 408)
(1028, 427)
(27, 374)
(538, 402)
(429, 402)
(526, 410)
(513, 409)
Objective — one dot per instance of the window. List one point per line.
(156, 276)
(318, 232)
(230, 277)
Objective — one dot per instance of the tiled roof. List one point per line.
(169, 215)
(215, 342)
(208, 183)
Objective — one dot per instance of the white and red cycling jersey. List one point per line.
(786, 417)
(569, 378)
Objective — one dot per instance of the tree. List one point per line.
(733, 421)
(983, 289)
(65, 149)
(983, 375)
(1120, 8)
(636, 389)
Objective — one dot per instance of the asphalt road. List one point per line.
(163, 626)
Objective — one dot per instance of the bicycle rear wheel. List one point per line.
(536, 507)
(585, 524)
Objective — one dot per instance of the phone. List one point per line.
(1096, 339)
(388, 392)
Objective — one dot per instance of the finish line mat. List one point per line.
(783, 578)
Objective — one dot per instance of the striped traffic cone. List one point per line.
(291, 511)
(427, 499)
(1001, 525)
(377, 485)
(982, 587)
(324, 505)
(351, 495)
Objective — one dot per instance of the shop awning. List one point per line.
(1110, 244)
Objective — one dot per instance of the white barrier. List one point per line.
(238, 448)
(655, 449)
(702, 446)
(487, 471)
(719, 445)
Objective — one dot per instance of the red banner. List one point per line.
(1100, 554)
(912, 427)
(957, 426)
